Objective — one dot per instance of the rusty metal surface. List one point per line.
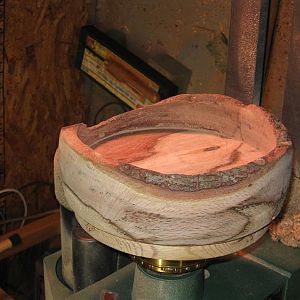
(291, 107)
(287, 229)
(247, 39)
(276, 72)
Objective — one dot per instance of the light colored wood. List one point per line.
(186, 252)
(33, 234)
(5, 245)
(186, 205)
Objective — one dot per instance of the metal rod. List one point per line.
(246, 52)
(92, 260)
(67, 223)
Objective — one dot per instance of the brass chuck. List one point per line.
(169, 266)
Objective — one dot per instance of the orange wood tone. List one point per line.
(178, 152)
(191, 177)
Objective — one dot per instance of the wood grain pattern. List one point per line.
(203, 207)
(173, 252)
(177, 152)
(43, 90)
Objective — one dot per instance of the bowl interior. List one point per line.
(185, 152)
(202, 137)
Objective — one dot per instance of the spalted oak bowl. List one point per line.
(192, 177)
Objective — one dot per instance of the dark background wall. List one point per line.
(43, 91)
(190, 37)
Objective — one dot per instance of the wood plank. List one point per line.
(108, 175)
(33, 234)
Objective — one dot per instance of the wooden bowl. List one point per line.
(192, 177)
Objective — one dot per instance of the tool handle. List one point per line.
(9, 242)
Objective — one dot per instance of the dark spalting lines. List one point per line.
(241, 209)
(143, 150)
(140, 152)
(244, 228)
(141, 216)
(150, 148)
(233, 158)
(211, 148)
(256, 202)
(117, 228)
(196, 151)
(138, 216)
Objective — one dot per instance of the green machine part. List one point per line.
(265, 271)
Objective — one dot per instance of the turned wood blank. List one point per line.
(194, 176)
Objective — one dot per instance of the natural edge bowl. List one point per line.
(176, 216)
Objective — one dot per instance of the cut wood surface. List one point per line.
(198, 171)
(173, 152)
(171, 252)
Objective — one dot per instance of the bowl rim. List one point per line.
(77, 137)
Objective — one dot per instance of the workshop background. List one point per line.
(42, 91)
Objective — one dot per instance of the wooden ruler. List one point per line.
(2, 97)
